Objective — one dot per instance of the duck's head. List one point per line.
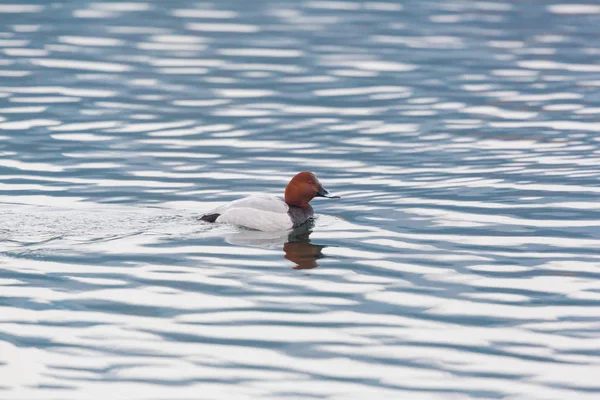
(303, 188)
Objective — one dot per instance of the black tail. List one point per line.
(209, 217)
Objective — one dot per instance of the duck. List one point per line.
(270, 213)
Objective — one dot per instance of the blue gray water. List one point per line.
(462, 262)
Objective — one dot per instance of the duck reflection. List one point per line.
(297, 246)
(298, 249)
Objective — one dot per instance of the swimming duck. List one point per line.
(265, 212)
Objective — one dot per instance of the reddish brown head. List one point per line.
(303, 188)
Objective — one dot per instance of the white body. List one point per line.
(263, 212)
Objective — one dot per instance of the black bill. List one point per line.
(325, 193)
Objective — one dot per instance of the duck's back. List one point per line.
(262, 212)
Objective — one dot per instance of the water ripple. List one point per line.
(460, 263)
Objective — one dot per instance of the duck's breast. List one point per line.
(299, 215)
(261, 212)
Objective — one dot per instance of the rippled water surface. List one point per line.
(463, 260)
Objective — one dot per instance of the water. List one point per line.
(461, 262)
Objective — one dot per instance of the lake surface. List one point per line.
(462, 262)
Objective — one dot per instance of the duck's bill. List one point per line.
(325, 193)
